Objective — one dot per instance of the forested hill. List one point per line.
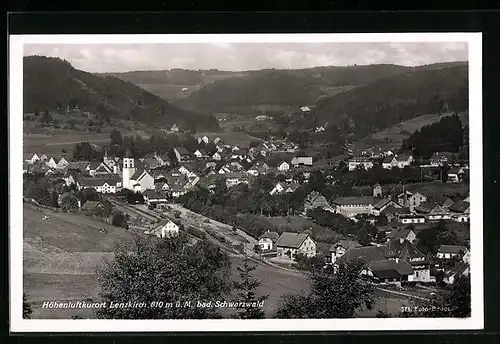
(447, 135)
(284, 86)
(50, 83)
(386, 102)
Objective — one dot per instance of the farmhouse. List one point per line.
(351, 206)
(283, 166)
(154, 198)
(268, 240)
(403, 233)
(460, 211)
(201, 154)
(394, 213)
(389, 162)
(338, 249)
(302, 161)
(316, 200)
(404, 160)
(182, 154)
(432, 211)
(383, 204)
(103, 185)
(290, 244)
(455, 174)
(167, 229)
(411, 200)
(362, 162)
(451, 251)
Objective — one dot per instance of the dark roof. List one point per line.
(389, 268)
(458, 269)
(151, 194)
(382, 203)
(452, 249)
(403, 157)
(393, 210)
(293, 240)
(93, 165)
(367, 254)
(459, 206)
(347, 244)
(137, 174)
(426, 207)
(271, 235)
(388, 159)
(394, 248)
(89, 205)
(99, 181)
(397, 233)
(354, 200)
(182, 151)
(454, 170)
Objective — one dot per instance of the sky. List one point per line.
(107, 58)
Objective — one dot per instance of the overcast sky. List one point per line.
(246, 56)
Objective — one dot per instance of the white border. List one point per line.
(18, 324)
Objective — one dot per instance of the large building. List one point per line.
(135, 179)
(352, 206)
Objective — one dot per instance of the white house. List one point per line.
(136, 179)
(338, 249)
(352, 206)
(34, 158)
(62, 163)
(302, 161)
(168, 230)
(411, 200)
(404, 160)
(407, 219)
(284, 166)
(103, 185)
(268, 240)
(455, 174)
(153, 198)
(365, 163)
(305, 109)
(389, 162)
(290, 244)
(51, 163)
(235, 178)
(451, 251)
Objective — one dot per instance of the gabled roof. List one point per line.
(292, 240)
(347, 244)
(397, 233)
(151, 194)
(455, 170)
(403, 157)
(271, 235)
(383, 202)
(459, 269)
(112, 181)
(182, 151)
(393, 210)
(93, 165)
(394, 248)
(452, 249)
(389, 268)
(138, 174)
(459, 206)
(426, 207)
(366, 254)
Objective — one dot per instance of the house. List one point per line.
(217, 140)
(403, 233)
(319, 129)
(432, 211)
(460, 269)
(174, 129)
(451, 251)
(305, 109)
(316, 200)
(443, 201)
(103, 185)
(283, 166)
(392, 212)
(411, 200)
(205, 139)
(161, 186)
(201, 154)
(285, 187)
(440, 158)
(102, 170)
(92, 167)
(235, 178)
(455, 174)
(338, 249)
(460, 211)
(377, 190)
(362, 162)
(383, 204)
(182, 154)
(34, 158)
(51, 163)
(389, 162)
(167, 229)
(261, 118)
(62, 163)
(153, 198)
(136, 179)
(407, 219)
(352, 206)
(290, 244)
(268, 240)
(404, 160)
(26, 168)
(302, 161)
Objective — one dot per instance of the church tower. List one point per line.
(128, 169)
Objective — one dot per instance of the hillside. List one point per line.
(50, 83)
(283, 87)
(386, 102)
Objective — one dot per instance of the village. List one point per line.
(382, 224)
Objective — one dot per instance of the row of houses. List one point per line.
(396, 261)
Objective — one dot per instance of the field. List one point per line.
(64, 139)
(170, 92)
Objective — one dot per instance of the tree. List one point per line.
(115, 138)
(39, 193)
(69, 201)
(89, 194)
(331, 295)
(174, 271)
(46, 117)
(119, 219)
(54, 199)
(245, 288)
(363, 236)
(26, 308)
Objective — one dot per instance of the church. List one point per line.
(135, 179)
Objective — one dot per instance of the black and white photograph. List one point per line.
(317, 181)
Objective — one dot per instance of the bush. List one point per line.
(196, 232)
